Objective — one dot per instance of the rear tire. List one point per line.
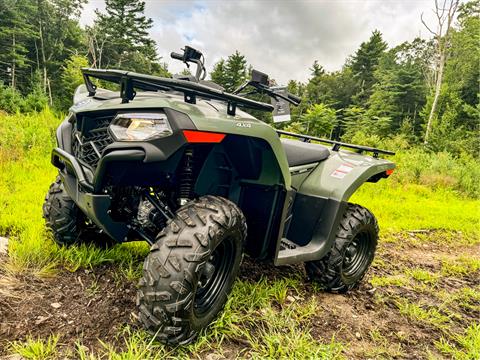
(346, 264)
(191, 269)
(67, 222)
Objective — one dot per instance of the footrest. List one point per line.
(287, 244)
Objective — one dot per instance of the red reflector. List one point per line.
(389, 172)
(202, 136)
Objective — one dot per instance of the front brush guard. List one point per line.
(86, 195)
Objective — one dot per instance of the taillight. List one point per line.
(202, 136)
(389, 172)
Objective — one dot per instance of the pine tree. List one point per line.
(218, 73)
(315, 89)
(364, 63)
(59, 35)
(230, 73)
(15, 31)
(399, 92)
(119, 37)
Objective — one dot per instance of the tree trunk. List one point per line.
(42, 48)
(13, 61)
(37, 55)
(438, 88)
(445, 16)
(50, 99)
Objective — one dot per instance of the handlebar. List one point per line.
(294, 98)
(176, 56)
(191, 55)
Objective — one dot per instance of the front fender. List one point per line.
(339, 176)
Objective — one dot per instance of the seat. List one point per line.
(301, 153)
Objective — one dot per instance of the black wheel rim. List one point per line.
(357, 257)
(211, 286)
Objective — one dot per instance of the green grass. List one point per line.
(25, 145)
(462, 265)
(259, 315)
(462, 346)
(414, 207)
(422, 276)
(36, 349)
(428, 315)
(391, 280)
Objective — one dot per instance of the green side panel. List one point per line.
(206, 115)
(300, 173)
(339, 176)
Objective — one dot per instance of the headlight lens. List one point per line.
(140, 126)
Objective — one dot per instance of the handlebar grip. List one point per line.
(176, 56)
(294, 98)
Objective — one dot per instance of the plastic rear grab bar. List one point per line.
(337, 144)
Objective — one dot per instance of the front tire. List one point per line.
(353, 251)
(67, 222)
(191, 269)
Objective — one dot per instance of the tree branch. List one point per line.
(425, 24)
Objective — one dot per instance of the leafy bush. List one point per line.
(70, 79)
(27, 132)
(418, 165)
(320, 120)
(12, 101)
(438, 170)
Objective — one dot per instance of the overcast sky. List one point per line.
(281, 38)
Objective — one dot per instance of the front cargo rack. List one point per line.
(129, 81)
(337, 144)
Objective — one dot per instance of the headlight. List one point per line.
(140, 126)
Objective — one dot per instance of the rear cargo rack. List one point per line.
(338, 144)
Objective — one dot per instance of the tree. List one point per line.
(320, 120)
(218, 74)
(445, 15)
(119, 38)
(399, 92)
(71, 78)
(15, 30)
(230, 73)
(59, 35)
(455, 124)
(364, 64)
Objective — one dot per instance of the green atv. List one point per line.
(176, 163)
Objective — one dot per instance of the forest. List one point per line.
(421, 296)
(383, 91)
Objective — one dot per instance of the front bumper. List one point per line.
(86, 194)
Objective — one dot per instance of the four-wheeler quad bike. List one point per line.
(174, 162)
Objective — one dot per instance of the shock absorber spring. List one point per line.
(186, 180)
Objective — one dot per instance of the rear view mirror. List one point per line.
(259, 77)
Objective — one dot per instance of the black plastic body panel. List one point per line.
(122, 162)
(312, 231)
(96, 208)
(64, 134)
(248, 161)
(263, 221)
(306, 213)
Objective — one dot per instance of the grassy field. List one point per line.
(421, 298)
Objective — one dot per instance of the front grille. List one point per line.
(88, 145)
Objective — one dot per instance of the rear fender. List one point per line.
(321, 202)
(339, 176)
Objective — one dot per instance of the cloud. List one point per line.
(282, 38)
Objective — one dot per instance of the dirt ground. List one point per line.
(92, 305)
